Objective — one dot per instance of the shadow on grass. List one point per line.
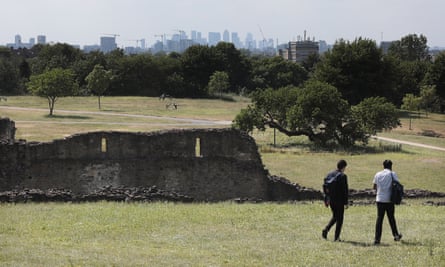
(223, 98)
(355, 150)
(72, 117)
(361, 244)
(110, 110)
(371, 244)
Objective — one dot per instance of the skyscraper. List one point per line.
(214, 38)
(41, 39)
(250, 43)
(107, 44)
(18, 40)
(236, 41)
(226, 36)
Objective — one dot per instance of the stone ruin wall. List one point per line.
(7, 131)
(208, 165)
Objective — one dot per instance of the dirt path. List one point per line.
(408, 143)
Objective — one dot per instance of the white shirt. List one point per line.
(383, 181)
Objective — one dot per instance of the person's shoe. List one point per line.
(324, 234)
(338, 240)
(398, 237)
(376, 243)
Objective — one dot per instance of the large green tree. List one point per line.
(55, 56)
(198, 63)
(235, 64)
(219, 83)
(9, 76)
(356, 69)
(436, 76)
(411, 103)
(374, 115)
(315, 110)
(98, 81)
(53, 84)
(276, 72)
(318, 111)
(429, 100)
(410, 48)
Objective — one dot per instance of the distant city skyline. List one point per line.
(81, 22)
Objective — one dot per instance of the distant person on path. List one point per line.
(382, 183)
(337, 199)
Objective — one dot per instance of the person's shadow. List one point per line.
(363, 244)
(371, 244)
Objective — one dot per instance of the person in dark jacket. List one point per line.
(338, 200)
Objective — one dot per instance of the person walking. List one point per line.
(337, 199)
(382, 184)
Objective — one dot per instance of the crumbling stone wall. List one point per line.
(7, 130)
(205, 164)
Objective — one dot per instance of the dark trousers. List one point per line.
(383, 208)
(338, 211)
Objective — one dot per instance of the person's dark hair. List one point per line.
(341, 164)
(387, 164)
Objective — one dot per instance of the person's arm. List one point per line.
(346, 188)
(374, 186)
(394, 175)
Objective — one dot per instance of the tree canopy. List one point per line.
(356, 69)
(53, 84)
(318, 111)
(98, 81)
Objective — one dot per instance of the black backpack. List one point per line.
(330, 184)
(396, 191)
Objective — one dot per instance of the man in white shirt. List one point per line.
(382, 184)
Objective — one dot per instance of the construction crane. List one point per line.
(137, 41)
(181, 33)
(163, 36)
(264, 38)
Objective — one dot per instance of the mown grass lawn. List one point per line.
(223, 234)
(219, 234)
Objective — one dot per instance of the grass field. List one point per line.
(223, 234)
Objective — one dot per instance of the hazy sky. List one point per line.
(82, 22)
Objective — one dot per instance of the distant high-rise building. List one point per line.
(300, 50)
(236, 40)
(107, 44)
(200, 40)
(142, 43)
(194, 36)
(41, 39)
(19, 44)
(18, 40)
(214, 38)
(322, 46)
(90, 48)
(250, 43)
(384, 45)
(226, 36)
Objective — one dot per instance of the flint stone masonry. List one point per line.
(7, 130)
(207, 165)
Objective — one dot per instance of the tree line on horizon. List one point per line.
(350, 73)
